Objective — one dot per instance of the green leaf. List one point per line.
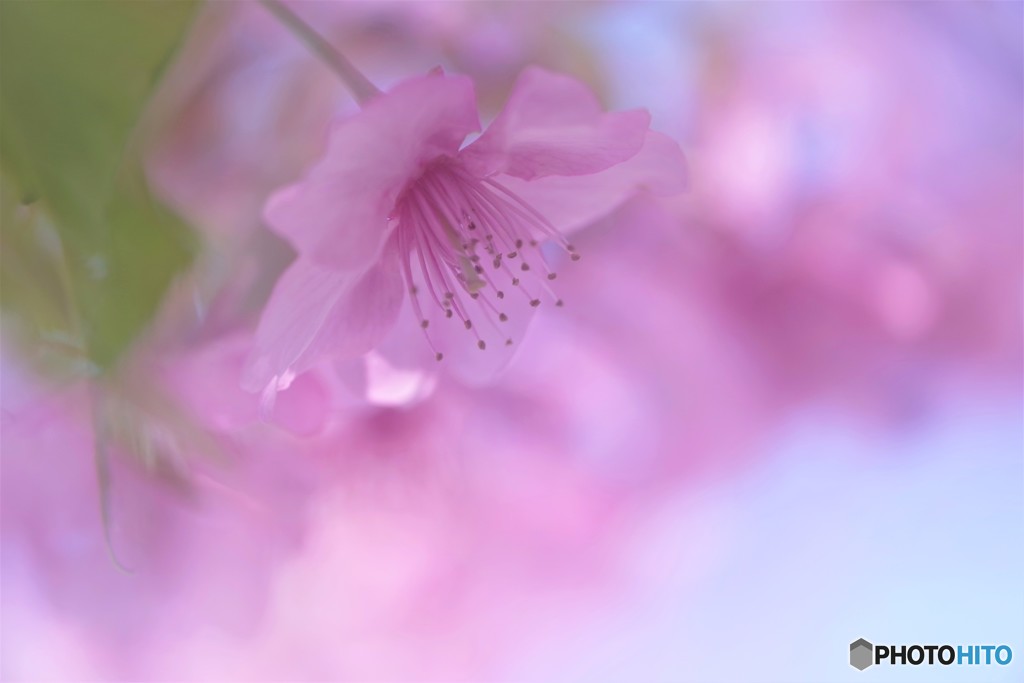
(75, 78)
(120, 286)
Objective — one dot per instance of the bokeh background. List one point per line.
(778, 413)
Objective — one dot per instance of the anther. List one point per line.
(424, 323)
(552, 276)
(575, 257)
(519, 244)
(502, 317)
(515, 282)
(559, 303)
(508, 342)
(468, 324)
(513, 254)
(438, 356)
(501, 294)
(448, 313)
(524, 267)
(497, 262)
(535, 302)
(481, 345)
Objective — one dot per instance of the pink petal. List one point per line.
(316, 312)
(553, 125)
(338, 213)
(573, 202)
(207, 380)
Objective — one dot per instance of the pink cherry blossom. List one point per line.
(399, 206)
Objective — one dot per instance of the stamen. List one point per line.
(437, 213)
(402, 241)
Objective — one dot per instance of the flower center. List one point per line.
(468, 240)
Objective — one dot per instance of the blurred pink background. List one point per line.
(778, 413)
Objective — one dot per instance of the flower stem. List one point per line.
(360, 86)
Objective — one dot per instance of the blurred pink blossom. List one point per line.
(243, 80)
(394, 544)
(229, 512)
(860, 207)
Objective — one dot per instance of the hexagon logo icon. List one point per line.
(861, 654)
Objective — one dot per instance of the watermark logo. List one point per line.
(863, 654)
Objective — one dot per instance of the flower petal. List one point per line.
(207, 380)
(316, 312)
(337, 215)
(553, 125)
(573, 202)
